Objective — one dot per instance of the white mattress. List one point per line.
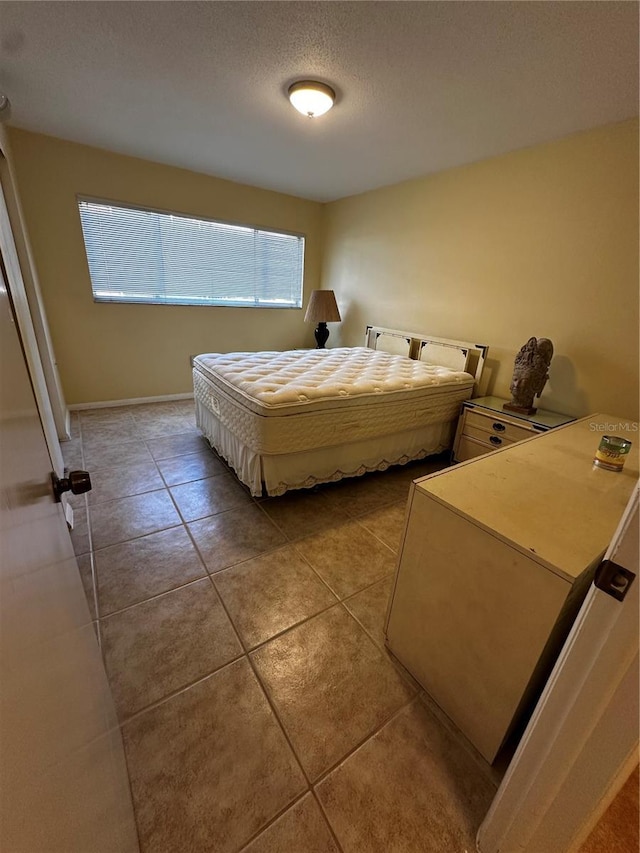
(280, 383)
(284, 402)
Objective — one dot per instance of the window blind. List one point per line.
(138, 255)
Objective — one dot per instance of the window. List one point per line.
(146, 256)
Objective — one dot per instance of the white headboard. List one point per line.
(458, 355)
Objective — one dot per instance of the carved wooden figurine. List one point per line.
(530, 374)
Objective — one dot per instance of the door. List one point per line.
(581, 743)
(63, 780)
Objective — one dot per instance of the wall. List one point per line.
(111, 351)
(542, 241)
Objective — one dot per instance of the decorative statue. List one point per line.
(530, 374)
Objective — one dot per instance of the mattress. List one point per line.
(287, 402)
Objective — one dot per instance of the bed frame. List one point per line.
(425, 434)
(458, 355)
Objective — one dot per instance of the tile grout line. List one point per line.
(358, 520)
(371, 734)
(89, 509)
(259, 680)
(155, 596)
(273, 820)
(209, 573)
(411, 698)
(310, 792)
(280, 547)
(378, 647)
(215, 589)
(284, 631)
(123, 497)
(367, 587)
(325, 815)
(303, 557)
(182, 524)
(185, 524)
(206, 576)
(261, 686)
(328, 585)
(273, 550)
(285, 734)
(280, 722)
(269, 702)
(94, 574)
(157, 703)
(179, 523)
(93, 550)
(90, 552)
(333, 832)
(122, 723)
(247, 652)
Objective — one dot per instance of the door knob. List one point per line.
(76, 482)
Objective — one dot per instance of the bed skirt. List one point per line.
(278, 473)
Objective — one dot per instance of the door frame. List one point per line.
(16, 285)
(575, 754)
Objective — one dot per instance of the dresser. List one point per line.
(496, 558)
(484, 426)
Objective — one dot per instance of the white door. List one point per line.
(63, 780)
(582, 741)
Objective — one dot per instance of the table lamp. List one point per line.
(322, 309)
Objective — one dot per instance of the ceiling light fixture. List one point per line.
(311, 98)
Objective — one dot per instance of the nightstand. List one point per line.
(484, 426)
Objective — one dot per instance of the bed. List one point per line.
(291, 420)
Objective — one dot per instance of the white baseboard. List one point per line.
(68, 513)
(67, 426)
(133, 401)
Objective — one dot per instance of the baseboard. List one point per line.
(133, 401)
(67, 426)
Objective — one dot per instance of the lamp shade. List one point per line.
(322, 307)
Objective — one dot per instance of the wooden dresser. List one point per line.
(497, 555)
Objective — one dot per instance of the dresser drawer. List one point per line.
(493, 440)
(489, 423)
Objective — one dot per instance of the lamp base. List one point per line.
(321, 333)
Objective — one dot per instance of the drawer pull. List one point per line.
(495, 440)
(499, 427)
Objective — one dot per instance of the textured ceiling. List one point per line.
(422, 86)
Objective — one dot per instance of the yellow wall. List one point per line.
(542, 241)
(111, 351)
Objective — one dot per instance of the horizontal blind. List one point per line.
(140, 255)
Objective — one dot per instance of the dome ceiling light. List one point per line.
(311, 98)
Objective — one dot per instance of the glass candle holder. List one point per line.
(612, 452)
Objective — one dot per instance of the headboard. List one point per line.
(458, 355)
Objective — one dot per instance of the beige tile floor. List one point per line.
(243, 640)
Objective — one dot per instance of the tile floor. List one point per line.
(243, 640)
